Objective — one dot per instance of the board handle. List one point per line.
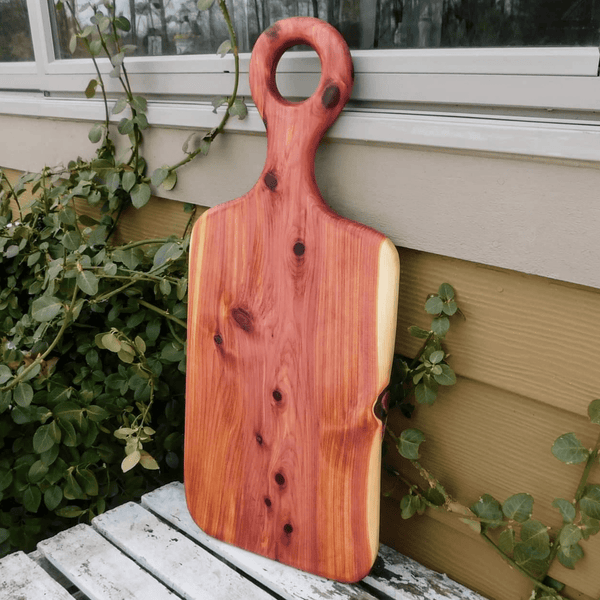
(307, 120)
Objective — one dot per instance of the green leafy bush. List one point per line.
(92, 335)
(92, 366)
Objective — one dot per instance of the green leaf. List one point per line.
(590, 502)
(95, 47)
(53, 497)
(159, 175)
(148, 461)
(566, 508)
(90, 90)
(594, 411)
(37, 471)
(120, 106)
(88, 221)
(111, 342)
(67, 411)
(506, 541)
(128, 180)
(534, 536)
(130, 461)
(239, 109)
(72, 240)
(73, 44)
(32, 498)
(140, 194)
(204, 4)
(5, 374)
(170, 181)
(417, 332)
(23, 394)
(570, 555)
(569, 535)
(43, 439)
(518, 507)
(446, 377)
(589, 526)
(409, 442)
(409, 505)
(88, 482)
(125, 126)
(446, 292)
(69, 512)
(568, 449)
(122, 23)
(131, 258)
(96, 413)
(140, 344)
(72, 490)
(167, 252)
(425, 394)
(46, 308)
(87, 282)
(95, 134)
(224, 48)
(4, 534)
(6, 478)
(440, 326)
(436, 357)
(450, 308)
(488, 509)
(218, 101)
(139, 104)
(434, 305)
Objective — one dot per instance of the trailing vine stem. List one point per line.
(164, 313)
(40, 358)
(69, 3)
(210, 137)
(536, 582)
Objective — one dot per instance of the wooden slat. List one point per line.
(400, 577)
(23, 579)
(173, 558)
(529, 335)
(466, 558)
(99, 569)
(169, 503)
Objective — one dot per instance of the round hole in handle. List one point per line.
(296, 87)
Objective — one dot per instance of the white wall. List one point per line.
(535, 215)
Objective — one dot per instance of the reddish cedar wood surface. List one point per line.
(291, 328)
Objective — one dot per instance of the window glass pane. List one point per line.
(15, 34)
(169, 27)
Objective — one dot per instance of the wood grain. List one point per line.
(291, 328)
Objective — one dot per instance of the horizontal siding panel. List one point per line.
(434, 541)
(526, 334)
(480, 439)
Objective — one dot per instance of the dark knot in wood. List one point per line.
(243, 318)
(331, 96)
(270, 181)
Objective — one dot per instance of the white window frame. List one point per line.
(406, 97)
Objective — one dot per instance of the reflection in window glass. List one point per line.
(169, 27)
(15, 34)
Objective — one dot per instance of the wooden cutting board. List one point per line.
(291, 325)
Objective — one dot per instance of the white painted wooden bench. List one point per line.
(154, 551)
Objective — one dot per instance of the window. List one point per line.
(15, 33)
(409, 88)
(169, 27)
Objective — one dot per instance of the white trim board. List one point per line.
(543, 138)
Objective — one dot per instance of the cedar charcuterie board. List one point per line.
(291, 325)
